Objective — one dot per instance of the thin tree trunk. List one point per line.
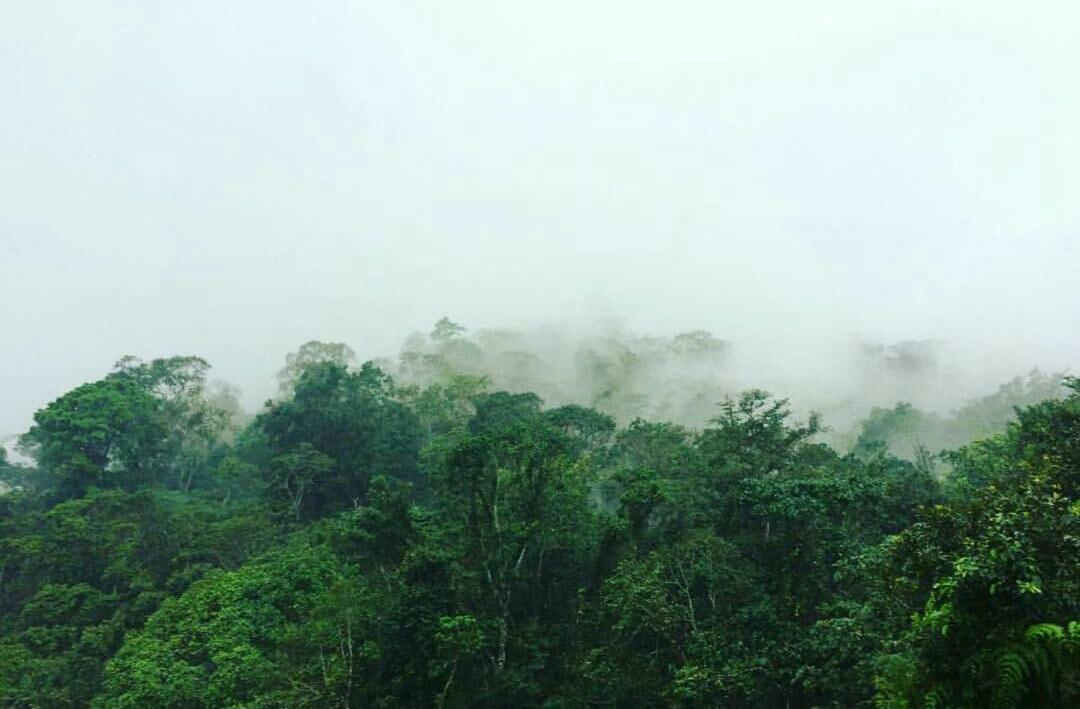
(441, 699)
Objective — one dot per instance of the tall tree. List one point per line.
(311, 353)
(355, 419)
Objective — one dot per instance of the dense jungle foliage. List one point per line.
(426, 533)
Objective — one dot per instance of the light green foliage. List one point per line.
(144, 424)
(905, 431)
(621, 375)
(224, 642)
(446, 330)
(103, 434)
(442, 408)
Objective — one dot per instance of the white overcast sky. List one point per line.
(231, 179)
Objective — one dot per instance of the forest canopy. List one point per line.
(493, 520)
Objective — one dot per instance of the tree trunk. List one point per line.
(504, 636)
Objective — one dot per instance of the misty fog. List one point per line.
(812, 184)
(478, 354)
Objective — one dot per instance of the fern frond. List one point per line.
(936, 698)
(1046, 632)
(1012, 669)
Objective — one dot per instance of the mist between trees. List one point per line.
(541, 518)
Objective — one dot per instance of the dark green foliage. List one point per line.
(352, 420)
(981, 571)
(358, 544)
(513, 495)
(751, 436)
(501, 410)
(592, 428)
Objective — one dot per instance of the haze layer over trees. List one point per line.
(522, 520)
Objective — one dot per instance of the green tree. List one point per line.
(312, 353)
(354, 419)
(514, 498)
(446, 330)
(242, 637)
(106, 434)
(295, 474)
(984, 569)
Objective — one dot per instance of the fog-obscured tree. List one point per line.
(312, 353)
(446, 330)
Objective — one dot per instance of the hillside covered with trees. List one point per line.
(484, 522)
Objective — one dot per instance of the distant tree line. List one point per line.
(410, 535)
